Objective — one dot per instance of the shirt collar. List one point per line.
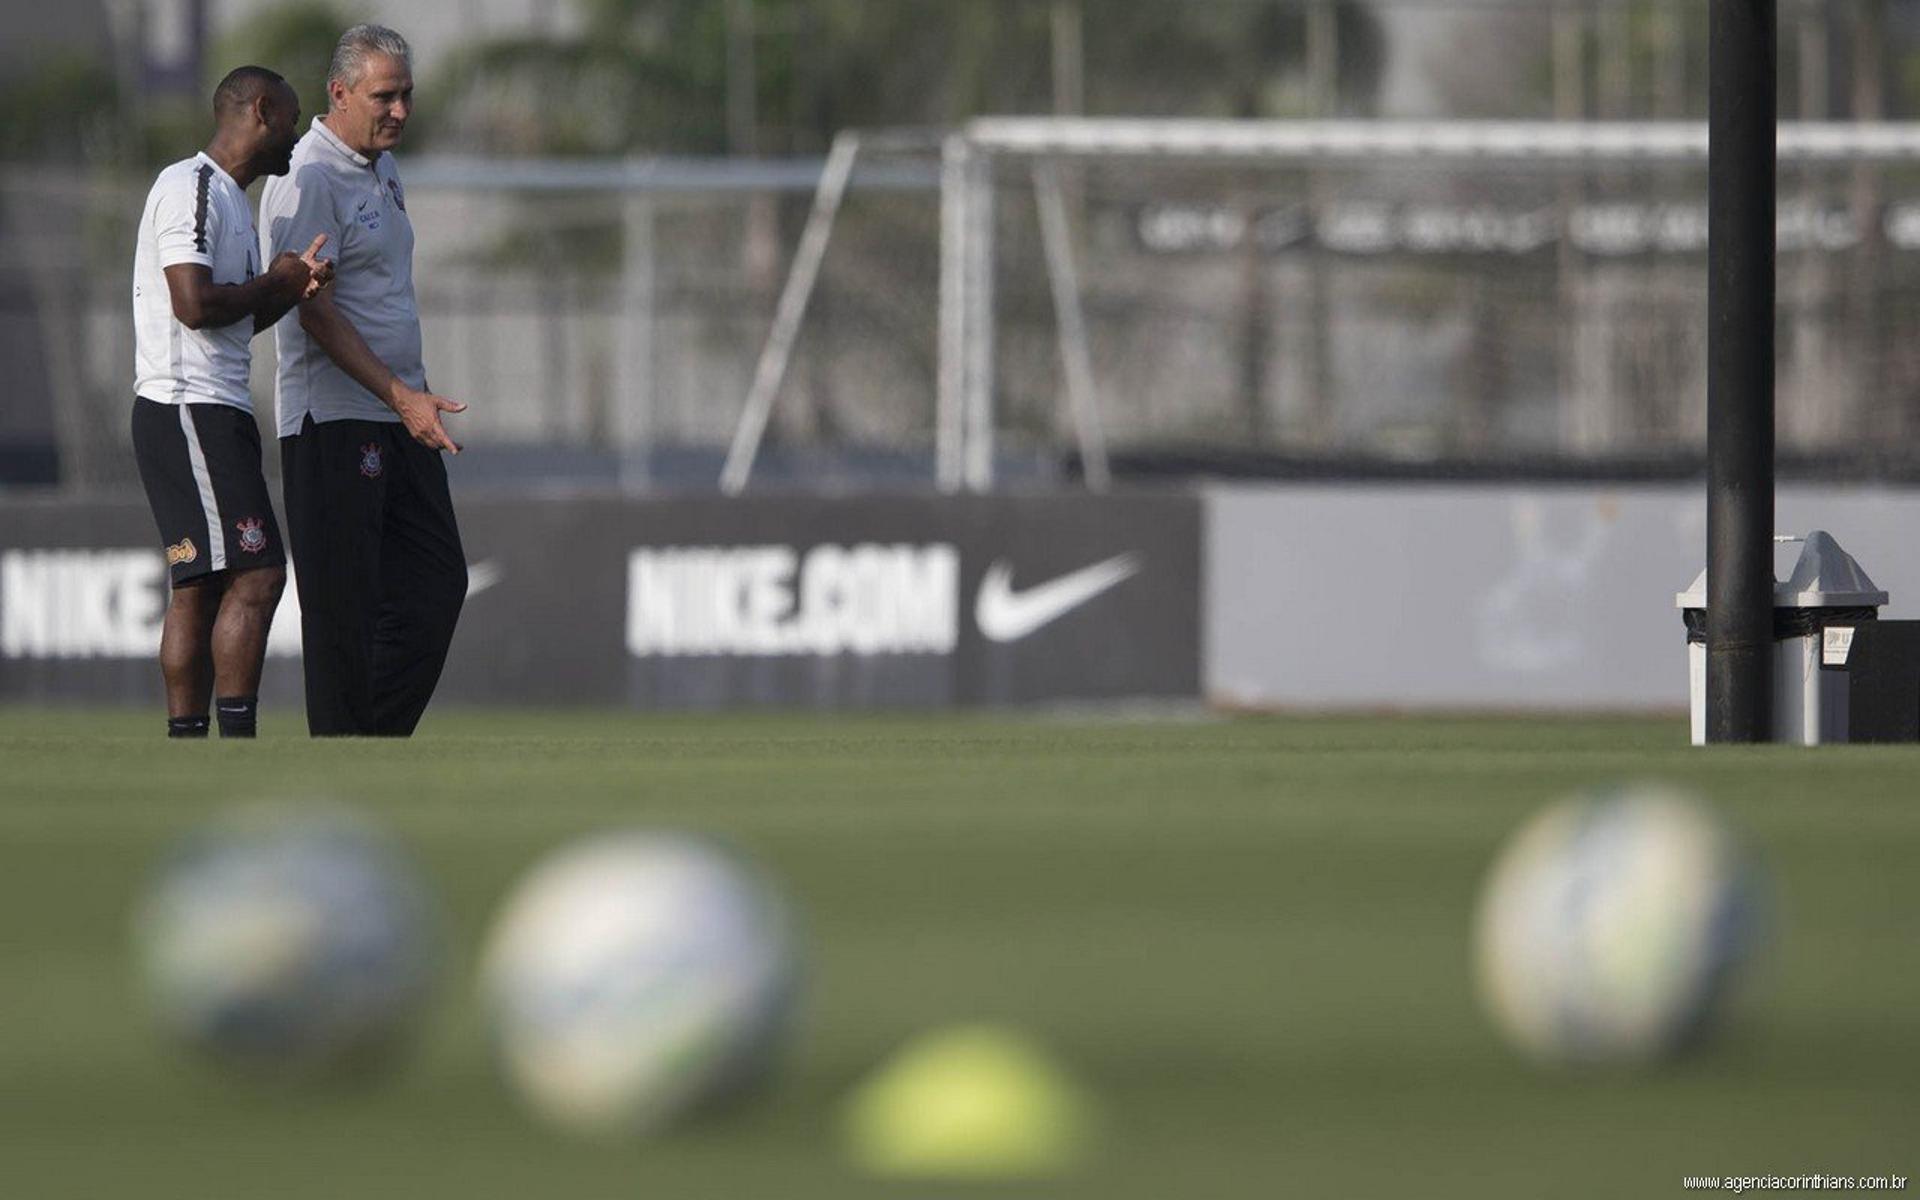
(331, 139)
(220, 170)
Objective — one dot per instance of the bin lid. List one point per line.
(1824, 576)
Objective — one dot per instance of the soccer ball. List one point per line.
(632, 979)
(1610, 927)
(287, 941)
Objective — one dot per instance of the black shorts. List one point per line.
(201, 467)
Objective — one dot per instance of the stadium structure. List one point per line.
(1120, 658)
(1183, 368)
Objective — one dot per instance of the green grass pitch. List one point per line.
(1248, 937)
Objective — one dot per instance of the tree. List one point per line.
(296, 40)
(654, 74)
(64, 109)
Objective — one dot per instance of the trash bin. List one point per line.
(1883, 673)
(1815, 611)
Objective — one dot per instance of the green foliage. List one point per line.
(1224, 60)
(652, 75)
(530, 96)
(296, 40)
(170, 130)
(70, 107)
(65, 109)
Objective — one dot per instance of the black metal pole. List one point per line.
(1740, 314)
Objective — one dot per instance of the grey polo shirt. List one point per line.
(362, 209)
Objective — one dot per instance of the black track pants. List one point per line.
(380, 571)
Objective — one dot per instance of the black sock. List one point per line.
(186, 727)
(237, 715)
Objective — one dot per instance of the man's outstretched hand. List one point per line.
(319, 270)
(301, 276)
(420, 413)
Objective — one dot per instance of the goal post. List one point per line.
(1507, 144)
(991, 170)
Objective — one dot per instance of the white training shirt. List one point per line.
(361, 208)
(195, 213)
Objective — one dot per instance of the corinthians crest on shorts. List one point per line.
(253, 534)
(370, 465)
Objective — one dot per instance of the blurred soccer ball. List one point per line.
(634, 978)
(1610, 927)
(978, 1102)
(287, 941)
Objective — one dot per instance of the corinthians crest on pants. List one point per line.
(370, 460)
(253, 534)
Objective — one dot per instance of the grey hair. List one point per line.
(359, 44)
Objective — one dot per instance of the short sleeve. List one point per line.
(298, 208)
(185, 221)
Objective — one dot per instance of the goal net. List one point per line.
(1487, 296)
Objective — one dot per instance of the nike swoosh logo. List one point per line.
(483, 575)
(1005, 615)
(284, 638)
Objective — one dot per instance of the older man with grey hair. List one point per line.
(376, 550)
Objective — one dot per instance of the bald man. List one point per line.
(198, 299)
